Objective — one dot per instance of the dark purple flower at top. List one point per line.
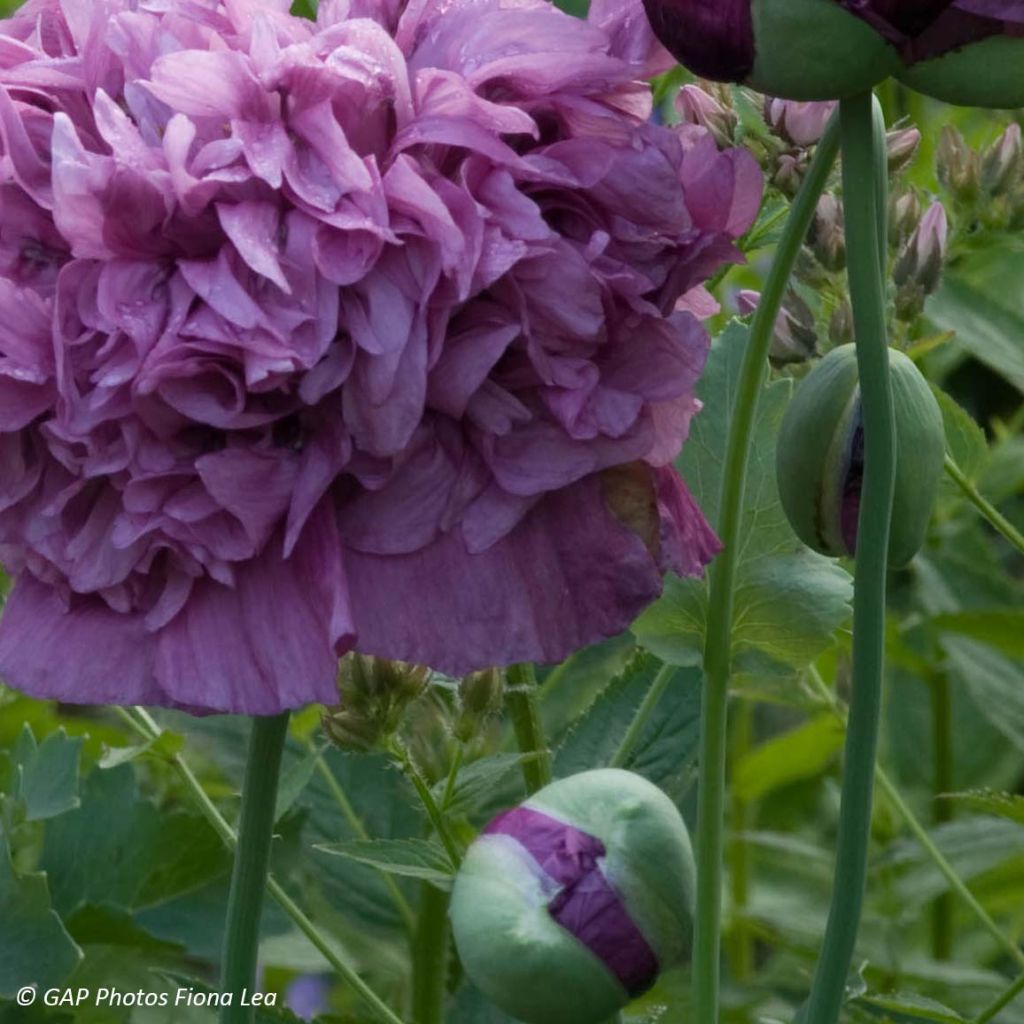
(328, 334)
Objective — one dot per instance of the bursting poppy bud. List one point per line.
(820, 457)
(568, 906)
(969, 52)
(793, 49)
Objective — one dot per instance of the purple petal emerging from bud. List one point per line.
(853, 482)
(713, 38)
(922, 29)
(586, 906)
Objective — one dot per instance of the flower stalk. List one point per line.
(862, 199)
(718, 642)
(523, 707)
(252, 861)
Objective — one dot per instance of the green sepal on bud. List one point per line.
(820, 456)
(568, 906)
(987, 73)
(481, 695)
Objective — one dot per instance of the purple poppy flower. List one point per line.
(324, 334)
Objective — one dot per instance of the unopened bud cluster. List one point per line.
(374, 694)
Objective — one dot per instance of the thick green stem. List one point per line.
(141, 722)
(984, 506)
(521, 700)
(942, 741)
(642, 716)
(252, 861)
(430, 957)
(718, 642)
(866, 291)
(741, 820)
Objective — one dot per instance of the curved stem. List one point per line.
(142, 722)
(866, 290)
(984, 506)
(437, 819)
(522, 705)
(718, 641)
(642, 716)
(430, 957)
(252, 860)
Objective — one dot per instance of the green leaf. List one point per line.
(991, 802)
(980, 301)
(994, 681)
(164, 747)
(801, 753)
(789, 600)
(907, 1008)
(1001, 628)
(35, 948)
(118, 849)
(294, 779)
(477, 781)
(666, 746)
(413, 858)
(973, 846)
(47, 774)
(965, 440)
(104, 925)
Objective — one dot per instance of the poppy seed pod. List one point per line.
(568, 906)
(820, 457)
(797, 49)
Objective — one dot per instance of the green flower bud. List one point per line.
(568, 906)
(820, 458)
(374, 694)
(986, 73)
(480, 696)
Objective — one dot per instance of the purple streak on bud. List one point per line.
(853, 482)
(713, 38)
(586, 906)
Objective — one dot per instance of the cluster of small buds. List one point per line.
(480, 698)
(958, 166)
(827, 236)
(1002, 165)
(710, 106)
(918, 270)
(901, 146)
(374, 695)
(795, 339)
(801, 124)
(905, 213)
